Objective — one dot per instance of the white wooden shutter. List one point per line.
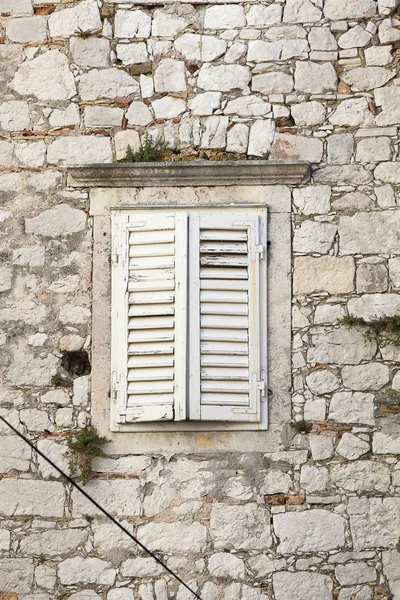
(227, 278)
(149, 316)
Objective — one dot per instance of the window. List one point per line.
(189, 315)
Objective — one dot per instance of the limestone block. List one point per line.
(37, 339)
(276, 482)
(387, 32)
(301, 11)
(385, 196)
(110, 541)
(205, 104)
(260, 51)
(27, 370)
(313, 199)
(170, 537)
(341, 346)
(261, 137)
(361, 476)
(127, 465)
(299, 319)
(372, 306)
(355, 573)
(371, 376)
(146, 86)
(14, 115)
(296, 147)
(372, 276)
(5, 279)
(367, 78)
(353, 201)
(391, 569)
(387, 171)
(237, 138)
(247, 106)
(45, 577)
(241, 527)
(224, 564)
(58, 454)
(6, 154)
(352, 407)
(326, 273)
(322, 382)
(15, 454)
(314, 78)
(27, 29)
(306, 114)
(75, 315)
(214, 135)
(66, 22)
(294, 48)
(60, 220)
(223, 78)
(132, 54)
(340, 148)
(123, 139)
(86, 570)
(309, 531)
(125, 593)
(384, 443)
(16, 7)
(352, 113)
(387, 7)
(167, 25)
(84, 595)
(227, 16)
(36, 420)
(16, 573)
(47, 77)
(5, 539)
(103, 116)
(168, 107)
(369, 233)
(120, 497)
(374, 522)
(321, 446)
(107, 83)
(170, 76)
(394, 272)
(389, 100)
(64, 418)
(64, 118)
(313, 479)
(352, 447)
(138, 567)
(313, 236)
(355, 37)
(138, 114)
(92, 52)
(132, 24)
(80, 150)
(236, 51)
(53, 543)
(378, 56)
(321, 38)
(30, 154)
(19, 497)
(260, 15)
(275, 82)
(335, 10)
(344, 175)
(59, 397)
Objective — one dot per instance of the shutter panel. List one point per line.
(227, 316)
(149, 312)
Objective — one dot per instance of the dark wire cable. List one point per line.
(97, 505)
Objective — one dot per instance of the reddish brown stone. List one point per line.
(8, 597)
(343, 88)
(275, 500)
(44, 10)
(295, 500)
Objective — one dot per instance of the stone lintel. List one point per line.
(196, 173)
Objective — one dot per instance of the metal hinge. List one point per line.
(117, 252)
(114, 387)
(260, 250)
(262, 389)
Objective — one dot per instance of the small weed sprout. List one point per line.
(41, 558)
(84, 446)
(89, 518)
(56, 380)
(83, 35)
(301, 426)
(151, 151)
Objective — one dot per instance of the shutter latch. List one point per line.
(117, 252)
(260, 250)
(262, 389)
(114, 387)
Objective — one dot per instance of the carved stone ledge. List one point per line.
(196, 173)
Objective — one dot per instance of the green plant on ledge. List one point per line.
(83, 35)
(151, 151)
(302, 426)
(385, 330)
(84, 446)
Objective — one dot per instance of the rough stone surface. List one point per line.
(16, 575)
(354, 9)
(19, 497)
(223, 78)
(47, 77)
(374, 522)
(352, 447)
(118, 496)
(322, 382)
(92, 52)
(302, 586)
(315, 78)
(369, 233)
(309, 531)
(86, 570)
(323, 274)
(341, 346)
(28, 29)
(167, 537)
(60, 220)
(107, 83)
(85, 16)
(313, 236)
(240, 527)
(362, 476)
(372, 376)
(352, 407)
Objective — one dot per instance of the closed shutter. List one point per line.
(149, 316)
(227, 353)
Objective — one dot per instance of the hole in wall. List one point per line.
(76, 363)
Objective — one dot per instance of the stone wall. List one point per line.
(319, 518)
